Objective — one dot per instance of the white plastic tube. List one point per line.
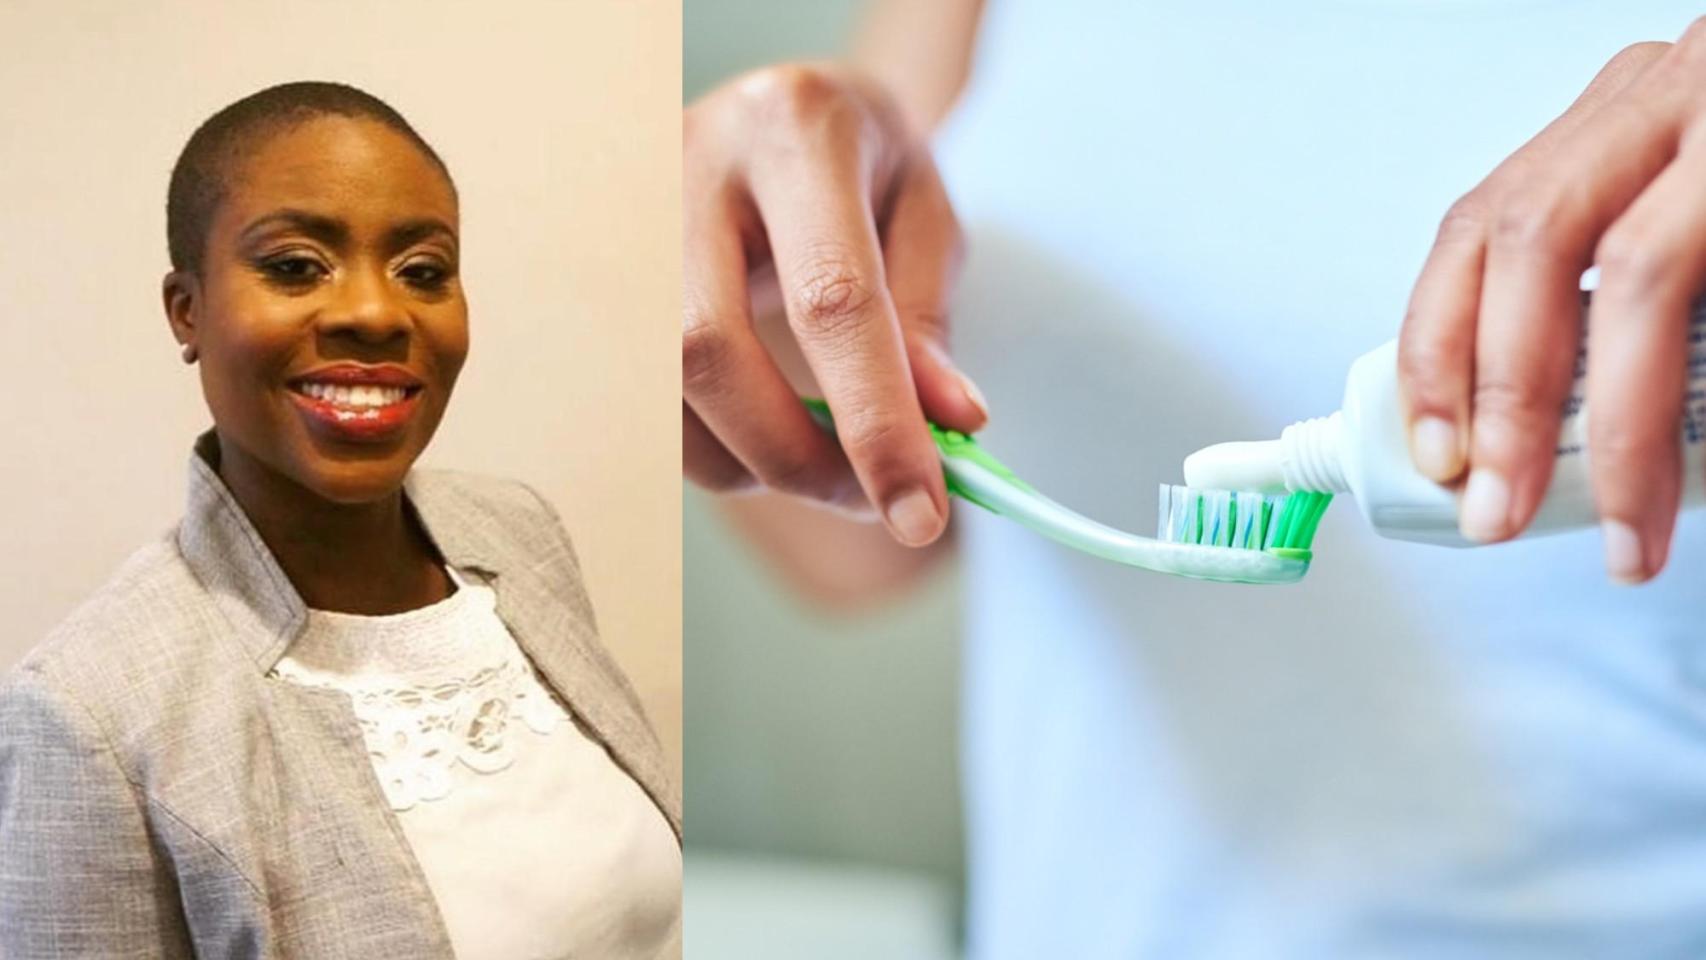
(1362, 450)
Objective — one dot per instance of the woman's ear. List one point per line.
(181, 294)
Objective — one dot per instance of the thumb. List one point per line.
(948, 396)
(922, 250)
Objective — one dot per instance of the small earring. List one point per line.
(189, 353)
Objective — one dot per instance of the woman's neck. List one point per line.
(364, 558)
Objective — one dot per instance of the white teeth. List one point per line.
(359, 396)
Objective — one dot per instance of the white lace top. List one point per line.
(535, 843)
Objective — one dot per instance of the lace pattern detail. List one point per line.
(416, 734)
(434, 689)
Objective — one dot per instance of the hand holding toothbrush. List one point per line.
(1489, 344)
(810, 183)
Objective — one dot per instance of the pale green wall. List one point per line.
(804, 734)
(720, 38)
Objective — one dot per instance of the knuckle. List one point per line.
(1677, 69)
(1464, 221)
(797, 96)
(1625, 432)
(1526, 225)
(1695, 34)
(872, 441)
(1531, 224)
(1426, 362)
(879, 445)
(1513, 399)
(793, 472)
(1631, 265)
(806, 86)
(706, 354)
(832, 297)
(1643, 52)
(1617, 444)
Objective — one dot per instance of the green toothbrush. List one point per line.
(1229, 536)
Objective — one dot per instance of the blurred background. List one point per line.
(821, 760)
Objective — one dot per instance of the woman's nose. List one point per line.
(366, 305)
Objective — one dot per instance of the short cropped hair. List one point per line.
(204, 169)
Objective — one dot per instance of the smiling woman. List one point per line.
(338, 711)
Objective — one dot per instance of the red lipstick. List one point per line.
(355, 402)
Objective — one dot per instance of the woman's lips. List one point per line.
(343, 404)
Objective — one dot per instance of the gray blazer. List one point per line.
(160, 796)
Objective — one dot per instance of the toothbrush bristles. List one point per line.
(1240, 519)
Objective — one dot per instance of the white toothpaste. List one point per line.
(1362, 450)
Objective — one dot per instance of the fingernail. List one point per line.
(1433, 447)
(913, 517)
(973, 394)
(1623, 557)
(1486, 506)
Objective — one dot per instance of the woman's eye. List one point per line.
(425, 274)
(293, 270)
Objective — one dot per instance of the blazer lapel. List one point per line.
(304, 763)
(544, 603)
(564, 646)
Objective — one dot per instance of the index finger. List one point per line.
(817, 210)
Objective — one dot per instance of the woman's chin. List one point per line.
(349, 473)
(354, 483)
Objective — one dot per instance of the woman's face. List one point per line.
(329, 318)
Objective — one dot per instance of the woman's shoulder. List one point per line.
(149, 594)
(135, 642)
(499, 497)
(499, 512)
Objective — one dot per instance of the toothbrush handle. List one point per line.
(976, 477)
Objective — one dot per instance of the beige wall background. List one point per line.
(560, 124)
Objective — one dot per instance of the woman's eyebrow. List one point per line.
(414, 231)
(320, 227)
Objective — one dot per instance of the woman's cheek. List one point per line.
(451, 348)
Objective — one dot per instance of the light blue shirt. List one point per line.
(1186, 219)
